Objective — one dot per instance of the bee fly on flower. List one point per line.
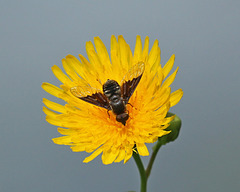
(114, 97)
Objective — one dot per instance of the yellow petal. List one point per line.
(145, 49)
(50, 113)
(116, 65)
(65, 131)
(168, 66)
(170, 79)
(114, 45)
(175, 97)
(120, 156)
(108, 156)
(85, 62)
(54, 106)
(76, 66)
(60, 75)
(89, 47)
(93, 58)
(93, 155)
(69, 70)
(52, 89)
(78, 148)
(124, 54)
(128, 154)
(102, 52)
(167, 120)
(54, 121)
(155, 51)
(142, 149)
(65, 140)
(156, 64)
(137, 50)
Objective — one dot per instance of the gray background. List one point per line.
(204, 35)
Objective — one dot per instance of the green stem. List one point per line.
(141, 171)
(151, 161)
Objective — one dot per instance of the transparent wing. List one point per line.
(131, 80)
(91, 95)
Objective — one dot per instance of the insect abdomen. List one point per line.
(117, 105)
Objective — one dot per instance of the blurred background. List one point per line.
(205, 37)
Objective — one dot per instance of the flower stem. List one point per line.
(154, 154)
(141, 171)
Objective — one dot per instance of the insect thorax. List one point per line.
(111, 88)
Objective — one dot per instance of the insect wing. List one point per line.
(91, 95)
(131, 80)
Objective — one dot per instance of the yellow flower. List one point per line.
(93, 129)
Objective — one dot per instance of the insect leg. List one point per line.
(132, 105)
(108, 113)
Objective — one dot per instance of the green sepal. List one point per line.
(174, 127)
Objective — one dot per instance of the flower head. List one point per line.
(93, 128)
